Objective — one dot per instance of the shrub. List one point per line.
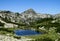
(17, 37)
(44, 39)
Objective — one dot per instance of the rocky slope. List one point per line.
(11, 38)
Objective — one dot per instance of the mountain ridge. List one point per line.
(25, 17)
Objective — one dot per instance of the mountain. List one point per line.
(29, 11)
(23, 18)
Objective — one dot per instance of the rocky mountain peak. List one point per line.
(29, 11)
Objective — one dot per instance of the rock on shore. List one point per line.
(11, 38)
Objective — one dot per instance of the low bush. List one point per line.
(17, 37)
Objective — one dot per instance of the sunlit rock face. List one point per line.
(9, 25)
(44, 15)
(57, 16)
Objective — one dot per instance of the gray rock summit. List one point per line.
(29, 11)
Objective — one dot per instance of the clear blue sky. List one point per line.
(40, 6)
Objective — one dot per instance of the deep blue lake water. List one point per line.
(26, 32)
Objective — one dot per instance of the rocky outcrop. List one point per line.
(8, 25)
(11, 38)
